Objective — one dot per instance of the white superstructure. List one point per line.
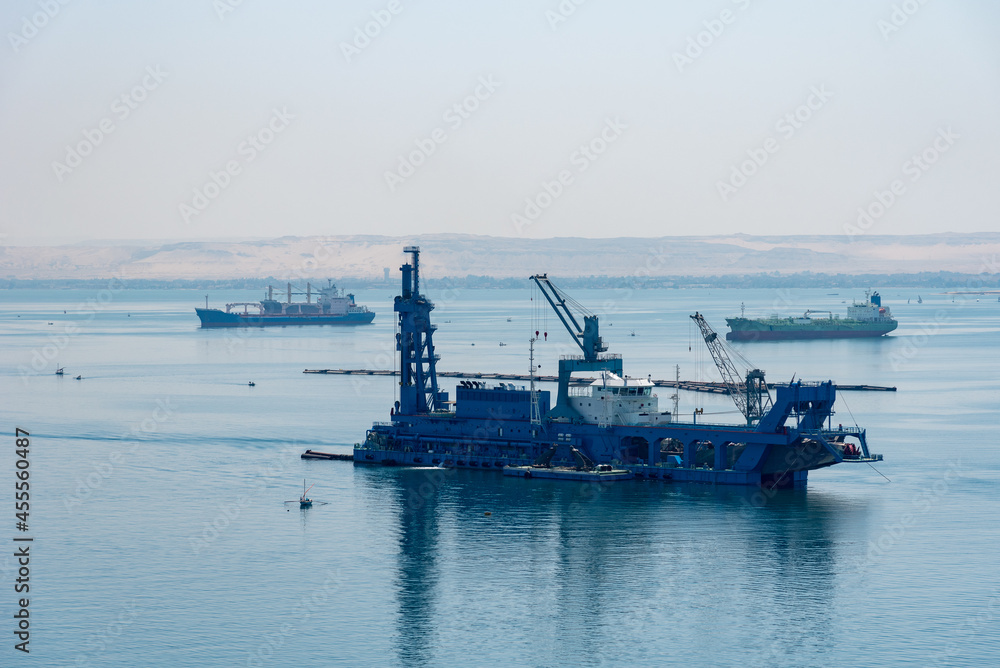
(870, 310)
(613, 400)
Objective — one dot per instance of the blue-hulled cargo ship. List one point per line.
(614, 424)
(332, 307)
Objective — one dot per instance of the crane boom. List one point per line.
(587, 337)
(749, 392)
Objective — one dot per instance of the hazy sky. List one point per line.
(603, 118)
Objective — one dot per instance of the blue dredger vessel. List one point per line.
(610, 428)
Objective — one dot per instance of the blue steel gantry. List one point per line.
(418, 388)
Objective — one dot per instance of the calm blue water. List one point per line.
(161, 536)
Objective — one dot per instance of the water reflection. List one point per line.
(417, 575)
(581, 574)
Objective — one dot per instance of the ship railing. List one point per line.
(827, 432)
(600, 358)
(684, 424)
(256, 305)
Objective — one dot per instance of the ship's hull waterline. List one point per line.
(760, 332)
(219, 318)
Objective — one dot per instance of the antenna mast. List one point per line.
(536, 413)
(677, 390)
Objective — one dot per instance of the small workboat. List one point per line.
(59, 371)
(304, 501)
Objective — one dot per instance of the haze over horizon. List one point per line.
(243, 120)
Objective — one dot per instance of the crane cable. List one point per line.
(849, 412)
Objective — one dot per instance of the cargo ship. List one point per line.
(609, 429)
(332, 307)
(864, 319)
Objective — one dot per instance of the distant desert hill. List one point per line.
(462, 255)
